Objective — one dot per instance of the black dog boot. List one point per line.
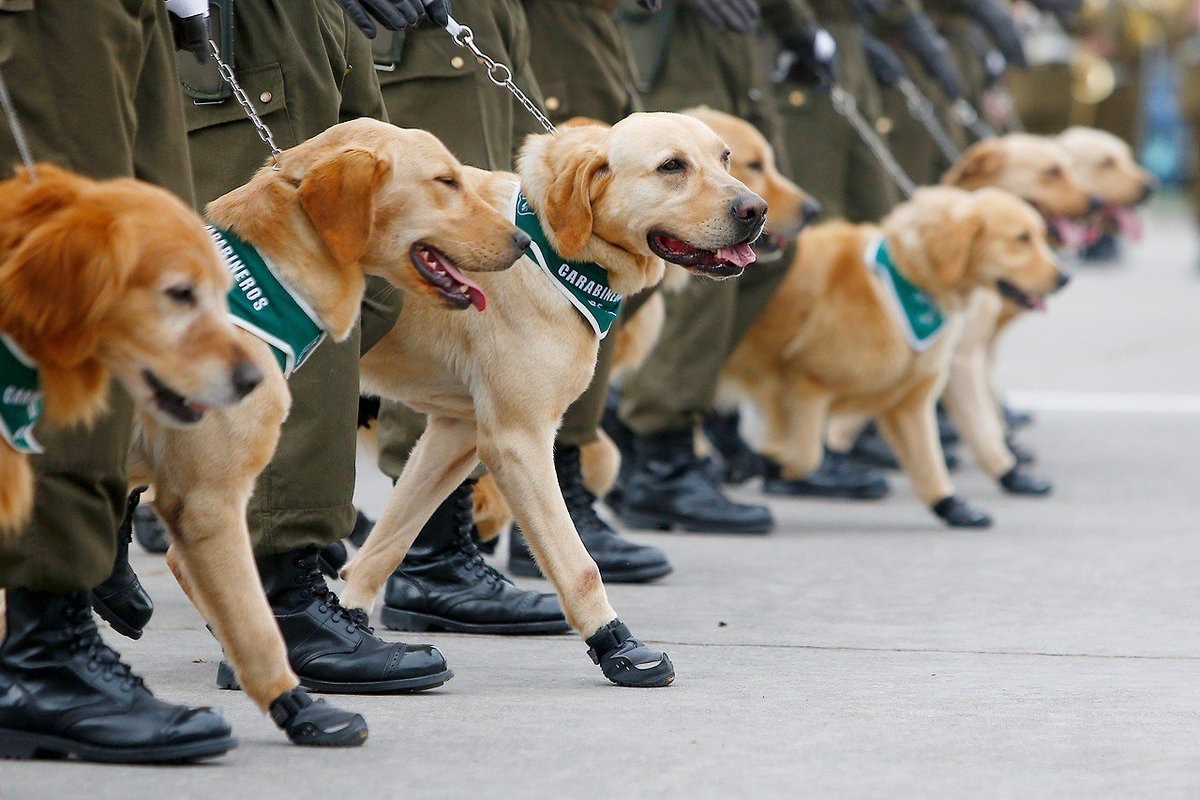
(149, 530)
(668, 489)
(958, 513)
(838, 476)
(333, 648)
(627, 661)
(619, 560)
(444, 583)
(121, 601)
(1019, 481)
(739, 461)
(65, 693)
(316, 723)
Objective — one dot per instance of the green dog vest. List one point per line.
(583, 283)
(262, 304)
(920, 317)
(20, 397)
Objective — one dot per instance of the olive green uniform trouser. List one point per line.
(306, 68)
(96, 89)
(429, 82)
(704, 321)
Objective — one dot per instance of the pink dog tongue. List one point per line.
(741, 254)
(478, 298)
(1129, 223)
(1073, 234)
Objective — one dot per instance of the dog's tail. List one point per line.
(16, 492)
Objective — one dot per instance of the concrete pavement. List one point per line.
(862, 650)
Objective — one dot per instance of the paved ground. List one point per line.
(859, 651)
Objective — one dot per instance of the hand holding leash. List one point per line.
(810, 58)
(394, 14)
(921, 38)
(189, 26)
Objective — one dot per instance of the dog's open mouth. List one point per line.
(1027, 300)
(438, 270)
(724, 262)
(1064, 231)
(770, 246)
(173, 404)
(1123, 220)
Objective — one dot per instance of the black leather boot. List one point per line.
(739, 461)
(65, 693)
(121, 600)
(444, 583)
(668, 489)
(619, 560)
(624, 438)
(149, 530)
(333, 648)
(838, 476)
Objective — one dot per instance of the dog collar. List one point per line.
(265, 306)
(583, 283)
(920, 317)
(20, 397)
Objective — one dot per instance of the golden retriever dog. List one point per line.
(102, 279)
(362, 198)
(494, 386)
(833, 338)
(1106, 166)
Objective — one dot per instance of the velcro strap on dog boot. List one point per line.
(316, 723)
(627, 661)
(958, 513)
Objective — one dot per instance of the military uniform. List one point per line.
(121, 117)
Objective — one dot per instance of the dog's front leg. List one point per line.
(522, 462)
(442, 459)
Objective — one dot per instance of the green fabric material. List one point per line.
(20, 397)
(265, 306)
(583, 283)
(919, 315)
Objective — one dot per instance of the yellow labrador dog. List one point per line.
(362, 198)
(653, 187)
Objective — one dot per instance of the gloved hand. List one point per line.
(394, 14)
(919, 35)
(728, 16)
(809, 57)
(885, 65)
(995, 17)
(189, 26)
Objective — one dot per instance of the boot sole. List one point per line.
(21, 745)
(119, 625)
(641, 520)
(226, 679)
(788, 490)
(529, 569)
(396, 620)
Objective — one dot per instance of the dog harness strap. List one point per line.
(261, 303)
(920, 317)
(20, 397)
(583, 283)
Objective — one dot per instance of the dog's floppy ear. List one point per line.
(981, 161)
(949, 242)
(338, 195)
(569, 201)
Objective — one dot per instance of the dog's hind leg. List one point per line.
(443, 458)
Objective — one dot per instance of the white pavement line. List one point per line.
(1106, 402)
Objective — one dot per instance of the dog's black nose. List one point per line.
(246, 376)
(810, 210)
(1148, 188)
(1062, 280)
(1095, 204)
(750, 208)
(521, 241)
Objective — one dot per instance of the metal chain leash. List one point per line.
(921, 109)
(264, 132)
(497, 72)
(18, 133)
(845, 104)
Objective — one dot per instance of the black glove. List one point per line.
(809, 57)
(728, 16)
(885, 65)
(394, 14)
(921, 38)
(189, 27)
(995, 17)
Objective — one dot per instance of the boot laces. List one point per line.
(581, 503)
(467, 552)
(85, 637)
(312, 580)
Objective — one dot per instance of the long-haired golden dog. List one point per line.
(495, 385)
(103, 279)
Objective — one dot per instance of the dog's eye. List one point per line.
(671, 165)
(184, 295)
(755, 166)
(1025, 237)
(1054, 172)
(725, 157)
(1108, 163)
(446, 180)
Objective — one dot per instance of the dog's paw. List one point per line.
(315, 723)
(958, 513)
(1019, 481)
(627, 661)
